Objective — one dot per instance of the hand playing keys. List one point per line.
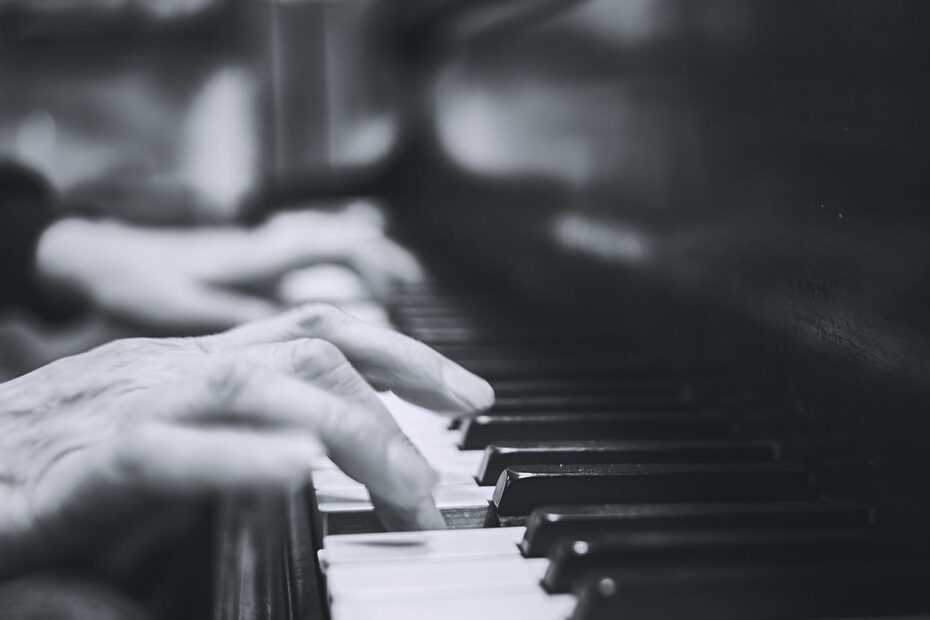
(91, 441)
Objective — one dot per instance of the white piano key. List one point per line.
(437, 453)
(524, 603)
(438, 446)
(412, 417)
(432, 425)
(430, 545)
(356, 499)
(403, 579)
(448, 475)
(455, 457)
(450, 456)
(322, 463)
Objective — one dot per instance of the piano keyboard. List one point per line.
(600, 485)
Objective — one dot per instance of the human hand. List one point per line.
(183, 280)
(92, 441)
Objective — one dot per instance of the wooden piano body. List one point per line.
(736, 185)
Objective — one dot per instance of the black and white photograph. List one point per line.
(464, 310)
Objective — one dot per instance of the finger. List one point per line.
(361, 438)
(388, 360)
(382, 264)
(213, 308)
(286, 242)
(315, 361)
(403, 265)
(190, 461)
(182, 308)
(330, 283)
(113, 479)
(366, 211)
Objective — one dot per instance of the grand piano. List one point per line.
(685, 240)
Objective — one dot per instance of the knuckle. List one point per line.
(320, 319)
(130, 454)
(226, 381)
(322, 362)
(356, 429)
(322, 352)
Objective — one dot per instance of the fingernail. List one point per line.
(471, 391)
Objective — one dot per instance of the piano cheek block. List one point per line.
(522, 489)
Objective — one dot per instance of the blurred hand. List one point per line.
(92, 441)
(178, 280)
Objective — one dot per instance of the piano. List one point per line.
(686, 242)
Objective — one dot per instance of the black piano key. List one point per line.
(499, 456)
(603, 350)
(517, 354)
(412, 317)
(558, 366)
(455, 301)
(571, 559)
(568, 387)
(548, 525)
(589, 403)
(481, 321)
(581, 406)
(516, 334)
(524, 488)
(480, 431)
(771, 593)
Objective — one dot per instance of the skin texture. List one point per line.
(182, 281)
(96, 440)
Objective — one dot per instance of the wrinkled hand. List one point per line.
(91, 441)
(178, 280)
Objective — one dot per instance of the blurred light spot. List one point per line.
(35, 139)
(219, 156)
(521, 127)
(367, 140)
(607, 587)
(611, 241)
(627, 22)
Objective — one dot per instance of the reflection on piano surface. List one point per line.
(684, 240)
